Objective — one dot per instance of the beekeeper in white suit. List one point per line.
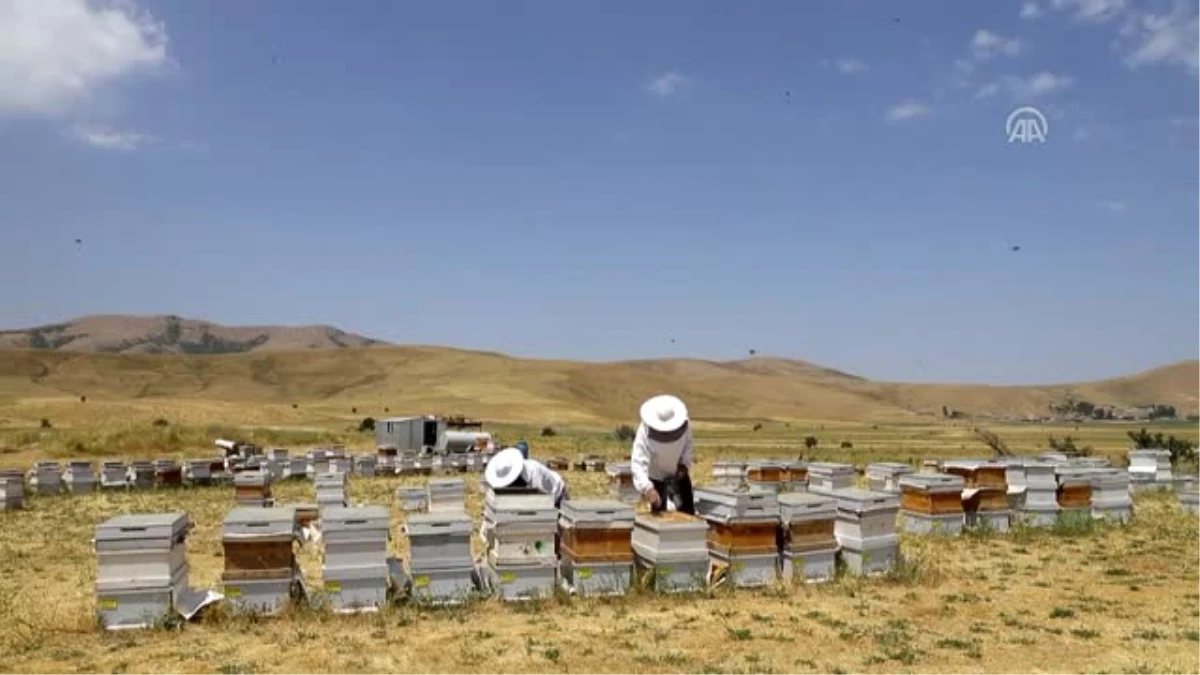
(661, 456)
(510, 469)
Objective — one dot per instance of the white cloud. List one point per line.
(986, 44)
(1095, 11)
(109, 139)
(909, 110)
(988, 90)
(851, 66)
(1082, 135)
(55, 55)
(1025, 89)
(667, 84)
(1030, 10)
(963, 66)
(1166, 38)
(1112, 205)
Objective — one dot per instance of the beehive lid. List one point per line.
(144, 526)
(440, 522)
(821, 468)
(279, 521)
(889, 468)
(346, 518)
(597, 511)
(251, 478)
(863, 501)
(622, 469)
(521, 499)
(670, 520)
(738, 499)
(806, 500)
(933, 482)
(763, 464)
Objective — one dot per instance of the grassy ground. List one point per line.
(1116, 599)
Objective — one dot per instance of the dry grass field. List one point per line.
(1083, 598)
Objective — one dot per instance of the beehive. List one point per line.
(809, 547)
(885, 476)
(252, 488)
(260, 565)
(439, 561)
(979, 473)
(620, 483)
(167, 473)
(114, 474)
(1040, 507)
(767, 473)
(45, 478)
(558, 463)
(141, 474)
(12, 489)
(743, 532)
(197, 472)
(828, 477)
(1074, 490)
(1110, 495)
(866, 530)
(355, 570)
(671, 551)
(728, 473)
(932, 502)
(80, 478)
(596, 531)
(412, 498)
(446, 494)
(330, 489)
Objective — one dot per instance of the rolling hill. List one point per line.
(168, 334)
(498, 387)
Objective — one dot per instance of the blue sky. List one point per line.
(826, 181)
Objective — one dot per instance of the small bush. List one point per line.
(294, 406)
(1062, 613)
(624, 433)
(354, 411)
(161, 422)
(83, 399)
(549, 431)
(810, 442)
(367, 424)
(846, 445)
(46, 424)
(757, 427)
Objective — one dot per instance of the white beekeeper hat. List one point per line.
(664, 413)
(504, 468)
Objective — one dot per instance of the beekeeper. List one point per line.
(509, 469)
(661, 456)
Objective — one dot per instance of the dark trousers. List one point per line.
(677, 488)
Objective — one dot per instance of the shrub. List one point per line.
(46, 424)
(810, 442)
(1182, 450)
(354, 411)
(757, 427)
(161, 422)
(294, 406)
(367, 424)
(83, 399)
(847, 444)
(624, 433)
(549, 431)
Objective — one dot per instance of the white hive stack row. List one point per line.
(330, 488)
(1149, 469)
(446, 494)
(521, 526)
(12, 490)
(809, 550)
(45, 478)
(142, 570)
(253, 488)
(356, 569)
(620, 483)
(1110, 495)
(439, 558)
(829, 477)
(931, 503)
(261, 573)
(1040, 508)
(672, 548)
(866, 530)
(743, 532)
(597, 553)
(114, 475)
(1188, 489)
(885, 476)
(80, 478)
(366, 465)
(412, 499)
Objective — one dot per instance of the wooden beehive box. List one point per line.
(597, 544)
(936, 504)
(982, 475)
(767, 473)
(986, 500)
(1075, 496)
(812, 535)
(558, 463)
(743, 538)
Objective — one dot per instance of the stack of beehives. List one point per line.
(1040, 507)
(114, 474)
(829, 477)
(743, 532)
(985, 499)
(364, 465)
(142, 570)
(1149, 468)
(12, 489)
(885, 476)
(45, 478)
(767, 474)
(261, 573)
(1188, 489)
(439, 559)
(520, 527)
(330, 488)
(197, 472)
(866, 529)
(620, 483)
(1110, 495)
(809, 547)
(1074, 490)
(167, 473)
(356, 566)
(597, 554)
(80, 478)
(932, 503)
(728, 472)
(670, 550)
(253, 488)
(446, 494)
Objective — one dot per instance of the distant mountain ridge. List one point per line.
(170, 334)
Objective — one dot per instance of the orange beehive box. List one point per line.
(982, 476)
(766, 474)
(743, 538)
(986, 500)
(1075, 496)
(938, 503)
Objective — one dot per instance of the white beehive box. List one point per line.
(865, 518)
(727, 504)
(828, 477)
(12, 490)
(885, 476)
(141, 551)
(355, 537)
(669, 535)
(45, 478)
(80, 477)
